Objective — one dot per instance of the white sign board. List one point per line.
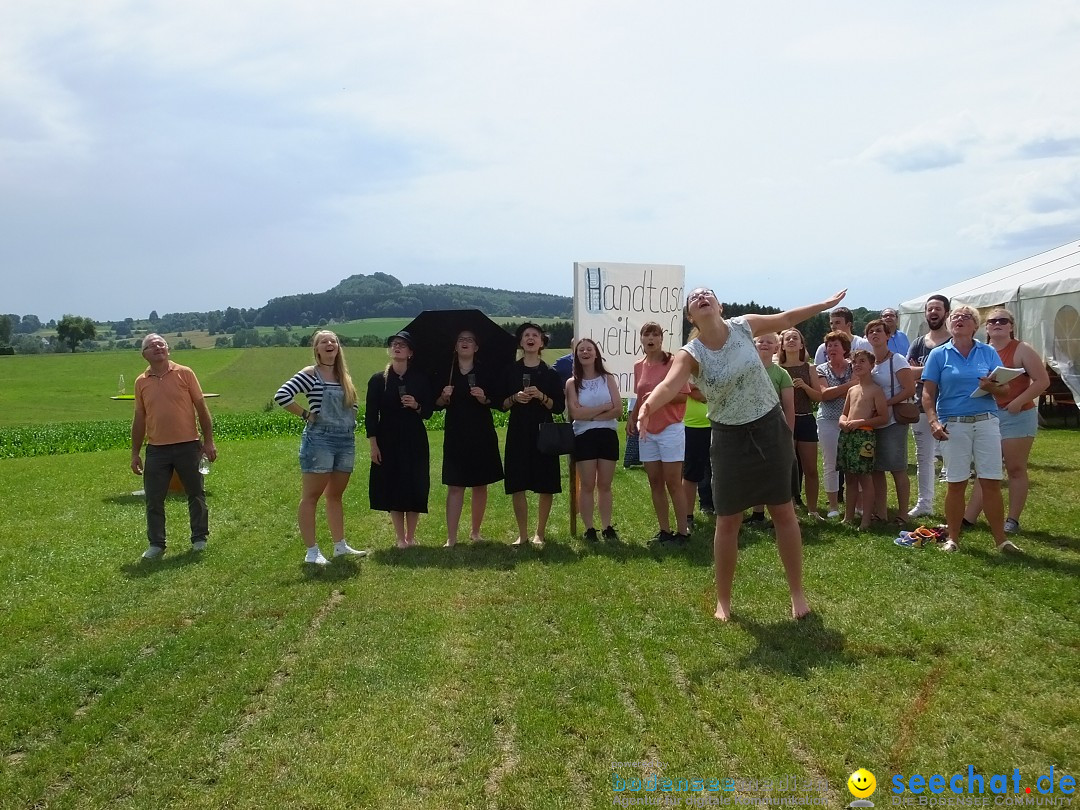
(613, 301)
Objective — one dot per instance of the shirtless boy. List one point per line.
(864, 410)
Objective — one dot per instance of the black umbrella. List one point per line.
(434, 333)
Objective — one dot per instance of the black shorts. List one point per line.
(805, 428)
(696, 459)
(597, 443)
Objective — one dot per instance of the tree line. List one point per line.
(356, 297)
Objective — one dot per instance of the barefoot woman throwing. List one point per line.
(752, 448)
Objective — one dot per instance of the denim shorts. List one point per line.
(325, 451)
(1023, 425)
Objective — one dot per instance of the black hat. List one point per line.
(545, 337)
(402, 335)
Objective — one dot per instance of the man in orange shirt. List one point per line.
(167, 399)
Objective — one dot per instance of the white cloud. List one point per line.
(933, 145)
(1033, 210)
(255, 149)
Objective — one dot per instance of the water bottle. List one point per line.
(121, 387)
(204, 464)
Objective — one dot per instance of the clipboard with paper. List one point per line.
(1000, 375)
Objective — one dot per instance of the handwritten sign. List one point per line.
(613, 301)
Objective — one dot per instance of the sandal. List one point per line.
(919, 538)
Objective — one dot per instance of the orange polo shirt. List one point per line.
(169, 404)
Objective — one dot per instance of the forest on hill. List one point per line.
(378, 295)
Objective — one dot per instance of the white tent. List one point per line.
(1043, 292)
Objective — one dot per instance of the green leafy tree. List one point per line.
(74, 329)
(5, 330)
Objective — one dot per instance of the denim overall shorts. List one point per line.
(329, 443)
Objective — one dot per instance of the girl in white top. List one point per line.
(744, 408)
(594, 405)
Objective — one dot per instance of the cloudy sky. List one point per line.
(198, 155)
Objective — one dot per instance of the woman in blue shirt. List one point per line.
(965, 422)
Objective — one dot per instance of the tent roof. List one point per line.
(1051, 273)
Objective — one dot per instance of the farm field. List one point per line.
(49, 388)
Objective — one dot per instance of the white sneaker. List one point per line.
(920, 510)
(948, 546)
(153, 552)
(342, 548)
(315, 557)
(198, 545)
(833, 514)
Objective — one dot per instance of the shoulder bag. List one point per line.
(906, 413)
(555, 439)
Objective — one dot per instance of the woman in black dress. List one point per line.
(470, 444)
(398, 402)
(534, 392)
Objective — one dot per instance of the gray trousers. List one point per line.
(161, 460)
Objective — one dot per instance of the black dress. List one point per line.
(470, 444)
(401, 482)
(526, 467)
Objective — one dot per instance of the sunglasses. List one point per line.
(998, 321)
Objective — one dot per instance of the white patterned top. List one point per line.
(593, 394)
(732, 378)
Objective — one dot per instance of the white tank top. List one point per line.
(593, 394)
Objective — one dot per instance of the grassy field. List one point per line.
(47, 388)
(487, 676)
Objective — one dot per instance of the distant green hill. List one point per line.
(382, 296)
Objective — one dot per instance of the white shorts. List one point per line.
(667, 445)
(978, 442)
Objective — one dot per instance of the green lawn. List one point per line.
(49, 388)
(487, 676)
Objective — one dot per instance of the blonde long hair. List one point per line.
(341, 368)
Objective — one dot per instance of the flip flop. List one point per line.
(918, 538)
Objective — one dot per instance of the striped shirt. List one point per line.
(308, 384)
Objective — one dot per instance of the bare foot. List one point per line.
(410, 542)
(402, 544)
(476, 538)
(537, 541)
(450, 544)
(723, 612)
(799, 607)
(519, 542)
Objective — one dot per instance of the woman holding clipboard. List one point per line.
(966, 425)
(1018, 417)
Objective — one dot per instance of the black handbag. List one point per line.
(555, 439)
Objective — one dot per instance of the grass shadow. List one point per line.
(339, 570)
(793, 647)
(1052, 468)
(623, 552)
(1055, 540)
(138, 497)
(146, 568)
(127, 499)
(1021, 561)
(473, 556)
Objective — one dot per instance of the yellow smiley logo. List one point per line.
(862, 783)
